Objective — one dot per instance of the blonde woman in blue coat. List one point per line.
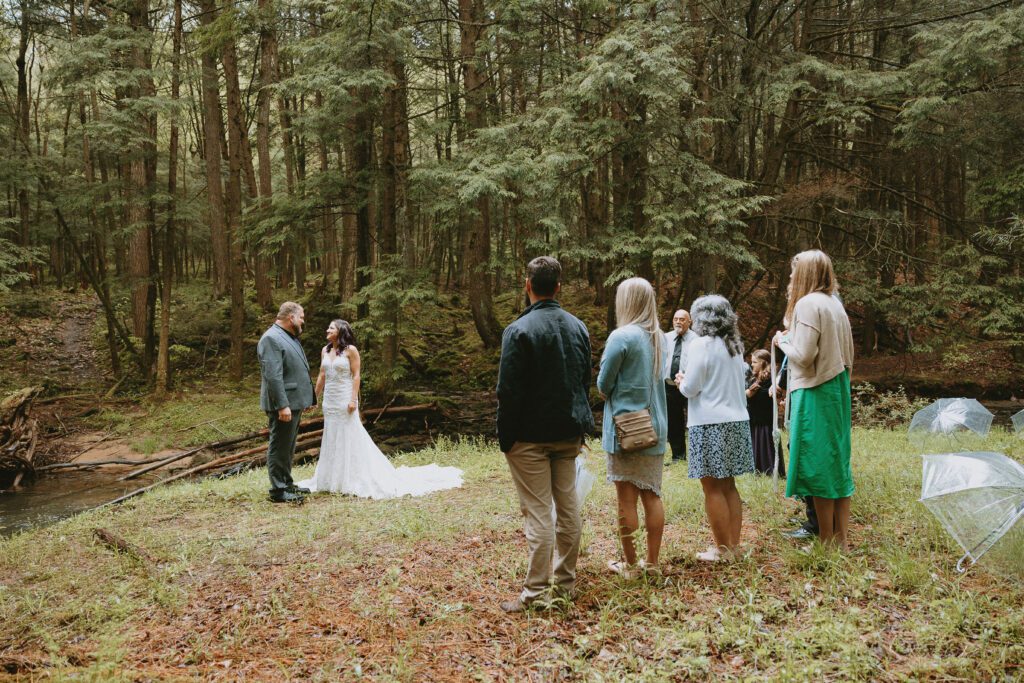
(630, 379)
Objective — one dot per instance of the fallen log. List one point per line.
(18, 436)
(310, 441)
(93, 445)
(306, 441)
(419, 367)
(97, 463)
(64, 397)
(120, 545)
(306, 428)
(160, 462)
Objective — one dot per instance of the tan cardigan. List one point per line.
(820, 342)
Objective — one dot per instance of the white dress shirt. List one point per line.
(670, 346)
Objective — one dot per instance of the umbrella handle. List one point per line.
(960, 563)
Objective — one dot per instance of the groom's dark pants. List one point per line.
(282, 449)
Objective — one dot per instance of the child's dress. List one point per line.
(760, 407)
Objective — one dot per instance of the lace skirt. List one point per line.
(642, 471)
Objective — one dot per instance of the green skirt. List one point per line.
(819, 440)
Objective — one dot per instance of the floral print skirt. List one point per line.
(720, 450)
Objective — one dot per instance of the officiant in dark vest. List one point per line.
(285, 391)
(676, 342)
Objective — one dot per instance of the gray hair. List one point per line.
(713, 317)
(288, 308)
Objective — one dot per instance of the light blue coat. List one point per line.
(628, 382)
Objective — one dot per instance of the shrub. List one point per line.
(886, 409)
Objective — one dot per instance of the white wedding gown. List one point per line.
(349, 460)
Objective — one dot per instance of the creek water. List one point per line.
(53, 498)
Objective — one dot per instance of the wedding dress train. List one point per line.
(349, 460)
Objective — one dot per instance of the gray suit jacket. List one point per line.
(284, 372)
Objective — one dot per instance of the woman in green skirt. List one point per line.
(819, 344)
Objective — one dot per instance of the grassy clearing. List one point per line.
(195, 416)
(408, 590)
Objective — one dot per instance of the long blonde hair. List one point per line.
(635, 304)
(812, 272)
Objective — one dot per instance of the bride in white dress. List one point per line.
(349, 460)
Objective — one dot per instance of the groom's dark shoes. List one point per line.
(286, 496)
(301, 490)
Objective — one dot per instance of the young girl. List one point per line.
(760, 406)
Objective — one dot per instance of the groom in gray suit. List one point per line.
(285, 391)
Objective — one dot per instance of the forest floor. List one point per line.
(237, 588)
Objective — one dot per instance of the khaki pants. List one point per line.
(545, 473)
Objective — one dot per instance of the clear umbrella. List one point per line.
(950, 421)
(1018, 423)
(978, 498)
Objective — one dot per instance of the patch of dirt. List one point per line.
(98, 447)
(52, 345)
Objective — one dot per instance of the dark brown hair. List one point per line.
(346, 337)
(544, 274)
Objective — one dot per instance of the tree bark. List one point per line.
(22, 123)
(163, 357)
(213, 134)
(395, 168)
(140, 213)
(476, 226)
(233, 206)
(267, 79)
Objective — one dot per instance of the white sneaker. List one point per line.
(626, 571)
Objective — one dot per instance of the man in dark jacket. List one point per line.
(285, 391)
(543, 414)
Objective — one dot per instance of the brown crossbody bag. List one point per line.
(635, 430)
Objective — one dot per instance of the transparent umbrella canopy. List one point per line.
(950, 421)
(1018, 423)
(978, 497)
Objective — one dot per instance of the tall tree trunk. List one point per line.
(141, 175)
(476, 229)
(394, 165)
(328, 226)
(213, 134)
(163, 357)
(233, 206)
(361, 165)
(267, 78)
(22, 124)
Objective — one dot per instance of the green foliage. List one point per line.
(15, 260)
(884, 409)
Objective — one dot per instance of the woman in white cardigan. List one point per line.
(717, 420)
